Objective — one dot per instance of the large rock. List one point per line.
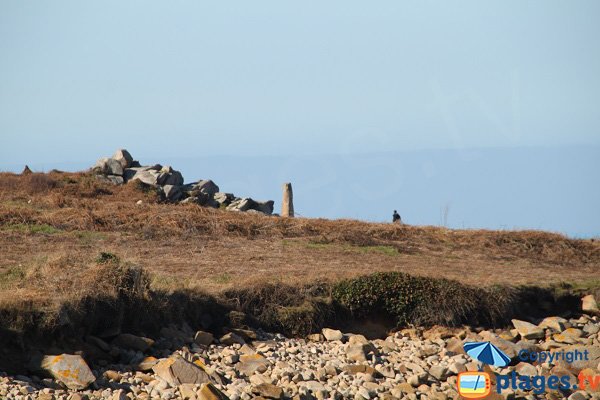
(108, 166)
(206, 186)
(528, 330)
(265, 207)
(111, 179)
(176, 371)
(149, 177)
(252, 363)
(203, 338)
(169, 176)
(247, 204)
(589, 304)
(172, 192)
(244, 204)
(556, 324)
(129, 173)
(332, 334)
(123, 157)
(202, 199)
(360, 351)
(129, 341)
(224, 198)
(71, 370)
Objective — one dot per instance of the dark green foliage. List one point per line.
(408, 299)
(106, 257)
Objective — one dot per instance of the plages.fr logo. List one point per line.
(477, 384)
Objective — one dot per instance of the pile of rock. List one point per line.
(245, 364)
(122, 168)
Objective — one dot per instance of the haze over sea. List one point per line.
(496, 188)
(466, 114)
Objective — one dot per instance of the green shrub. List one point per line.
(106, 257)
(417, 300)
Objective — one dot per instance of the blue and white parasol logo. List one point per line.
(486, 353)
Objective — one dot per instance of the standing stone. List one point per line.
(287, 205)
(26, 170)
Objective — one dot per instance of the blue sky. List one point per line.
(193, 79)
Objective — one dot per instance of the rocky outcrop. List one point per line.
(121, 168)
(247, 204)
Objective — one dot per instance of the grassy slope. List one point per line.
(52, 228)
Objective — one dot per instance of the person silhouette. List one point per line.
(396, 217)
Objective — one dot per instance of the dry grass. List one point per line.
(52, 226)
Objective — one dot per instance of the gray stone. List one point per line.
(265, 207)
(246, 204)
(203, 338)
(240, 205)
(172, 193)
(108, 166)
(205, 200)
(129, 173)
(129, 341)
(123, 157)
(224, 198)
(207, 187)
(169, 176)
(189, 200)
(149, 177)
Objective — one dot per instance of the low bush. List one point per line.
(408, 299)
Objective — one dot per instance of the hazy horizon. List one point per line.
(345, 99)
(551, 192)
